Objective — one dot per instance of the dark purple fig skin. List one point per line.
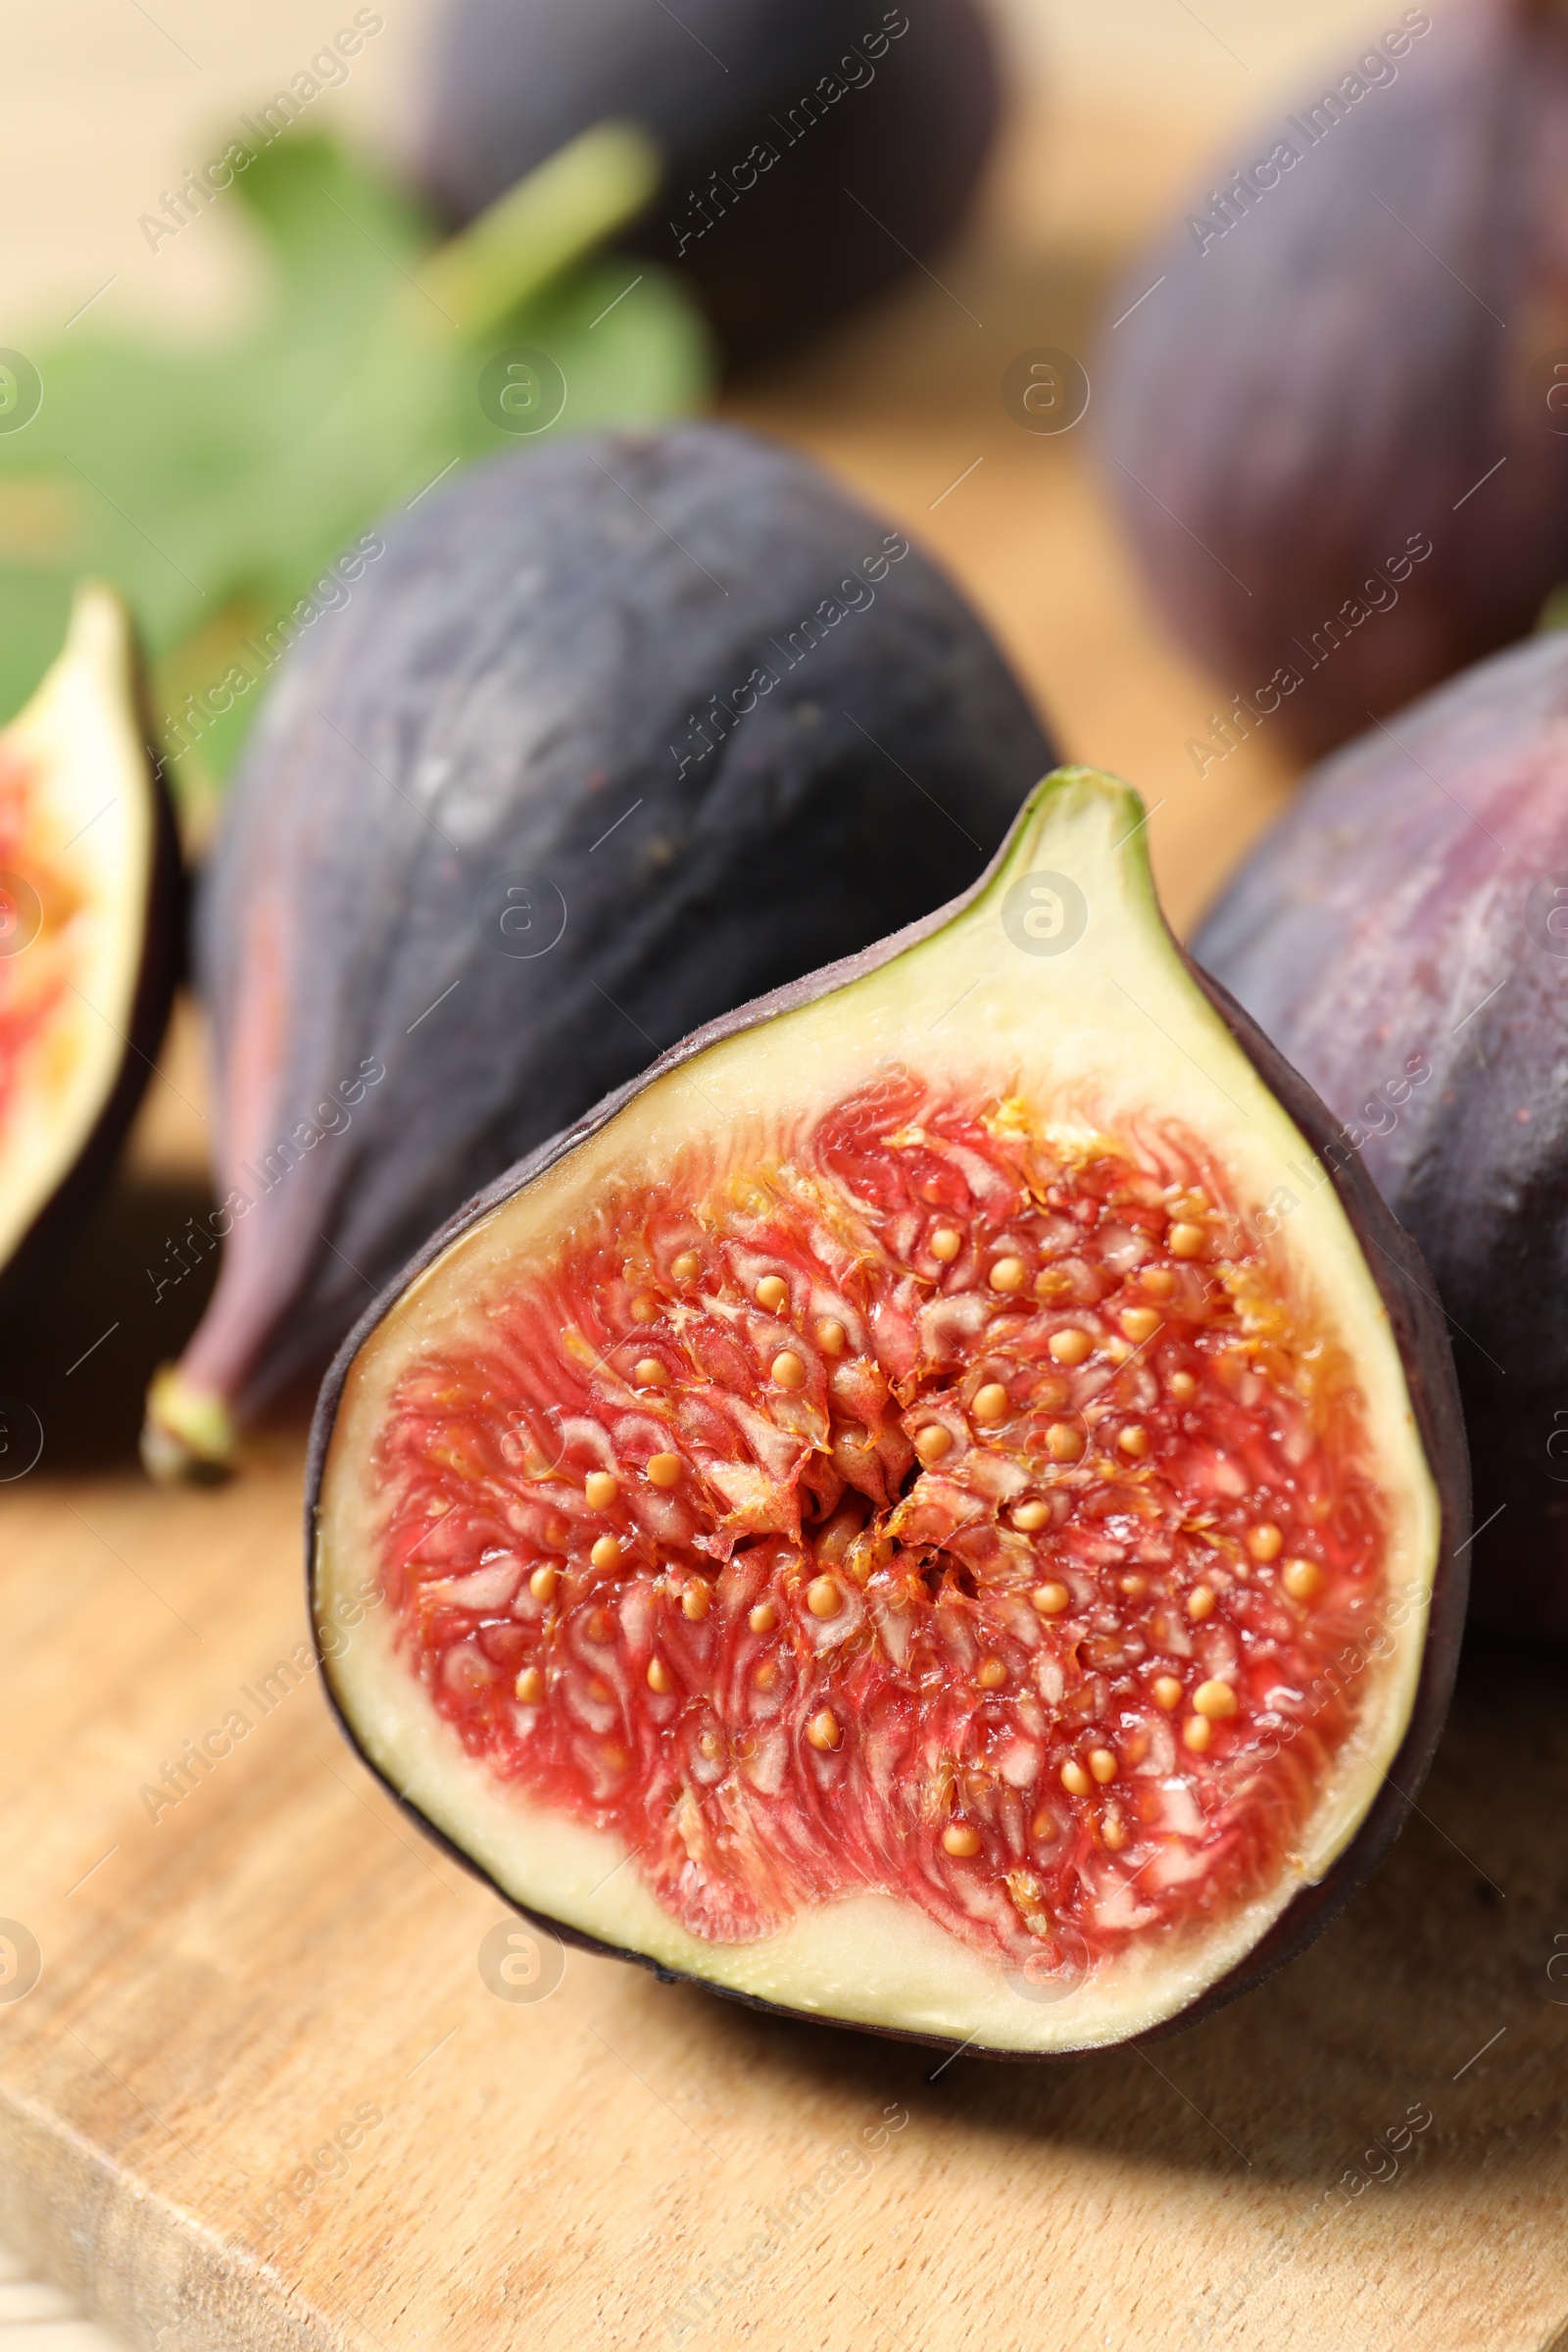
(1405, 909)
(511, 81)
(1319, 391)
(1417, 1322)
(501, 696)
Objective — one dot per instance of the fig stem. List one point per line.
(589, 188)
(188, 1436)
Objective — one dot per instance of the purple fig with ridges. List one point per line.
(1336, 424)
(613, 734)
(1403, 936)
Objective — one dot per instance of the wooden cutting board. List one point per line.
(261, 2093)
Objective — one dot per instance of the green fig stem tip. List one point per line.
(188, 1436)
(594, 186)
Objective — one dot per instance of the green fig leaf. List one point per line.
(213, 485)
(336, 230)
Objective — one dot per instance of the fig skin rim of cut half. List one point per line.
(1383, 1253)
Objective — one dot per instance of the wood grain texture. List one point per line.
(629, 2163)
(227, 1987)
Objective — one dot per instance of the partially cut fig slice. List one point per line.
(932, 1509)
(89, 928)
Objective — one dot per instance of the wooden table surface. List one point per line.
(276, 1964)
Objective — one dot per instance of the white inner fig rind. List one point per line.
(1112, 1029)
(91, 825)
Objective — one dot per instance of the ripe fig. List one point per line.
(1338, 420)
(615, 734)
(813, 156)
(1401, 936)
(89, 930)
(884, 1519)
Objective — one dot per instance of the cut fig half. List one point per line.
(932, 1510)
(89, 928)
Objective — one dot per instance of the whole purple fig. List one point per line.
(1335, 400)
(1403, 936)
(616, 734)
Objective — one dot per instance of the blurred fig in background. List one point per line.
(815, 150)
(1336, 421)
(90, 931)
(1402, 936)
(615, 736)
